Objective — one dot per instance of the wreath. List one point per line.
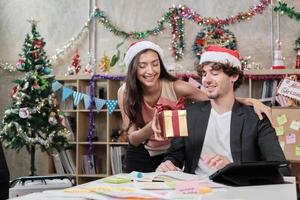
(213, 35)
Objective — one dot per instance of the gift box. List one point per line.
(172, 120)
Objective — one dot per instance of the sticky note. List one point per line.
(282, 144)
(281, 119)
(295, 125)
(279, 130)
(187, 187)
(291, 138)
(297, 150)
(204, 190)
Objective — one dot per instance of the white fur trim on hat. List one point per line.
(138, 47)
(221, 57)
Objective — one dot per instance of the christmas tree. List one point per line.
(32, 118)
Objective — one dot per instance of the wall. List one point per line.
(61, 20)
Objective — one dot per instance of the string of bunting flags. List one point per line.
(88, 101)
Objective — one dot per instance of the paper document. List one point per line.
(164, 176)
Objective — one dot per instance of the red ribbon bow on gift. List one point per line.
(178, 106)
(159, 108)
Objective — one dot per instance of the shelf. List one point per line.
(271, 72)
(73, 77)
(105, 125)
(118, 143)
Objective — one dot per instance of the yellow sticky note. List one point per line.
(279, 130)
(297, 150)
(281, 119)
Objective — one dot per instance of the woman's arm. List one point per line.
(187, 90)
(135, 136)
(259, 108)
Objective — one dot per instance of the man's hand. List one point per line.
(167, 166)
(213, 160)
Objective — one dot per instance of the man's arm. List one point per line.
(268, 142)
(269, 145)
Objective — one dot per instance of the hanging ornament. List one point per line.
(20, 64)
(298, 60)
(38, 43)
(35, 54)
(115, 58)
(297, 48)
(76, 62)
(89, 69)
(35, 86)
(104, 64)
(24, 113)
(47, 70)
(14, 91)
(52, 119)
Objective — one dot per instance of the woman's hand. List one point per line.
(156, 128)
(260, 108)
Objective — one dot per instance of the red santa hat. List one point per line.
(137, 47)
(219, 54)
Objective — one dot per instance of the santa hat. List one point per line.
(137, 47)
(219, 54)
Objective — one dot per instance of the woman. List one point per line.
(148, 83)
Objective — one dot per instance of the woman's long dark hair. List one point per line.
(133, 96)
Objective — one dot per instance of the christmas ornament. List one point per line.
(52, 118)
(89, 69)
(104, 64)
(278, 59)
(298, 60)
(47, 70)
(115, 58)
(14, 91)
(297, 48)
(24, 113)
(76, 62)
(20, 64)
(213, 36)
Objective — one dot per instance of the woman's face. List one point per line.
(148, 68)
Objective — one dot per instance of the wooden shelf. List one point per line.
(105, 124)
(271, 72)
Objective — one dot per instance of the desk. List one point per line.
(273, 192)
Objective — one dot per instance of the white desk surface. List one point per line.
(270, 192)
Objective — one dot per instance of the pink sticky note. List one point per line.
(291, 138)
(187, 187)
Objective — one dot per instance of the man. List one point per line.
(221, 130)
(4, 176)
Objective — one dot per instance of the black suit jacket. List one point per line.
(4, 176)
(251, 139)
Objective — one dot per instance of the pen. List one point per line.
(158, 181)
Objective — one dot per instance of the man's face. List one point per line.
(216, 83)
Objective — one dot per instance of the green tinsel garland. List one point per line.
(285, 10)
